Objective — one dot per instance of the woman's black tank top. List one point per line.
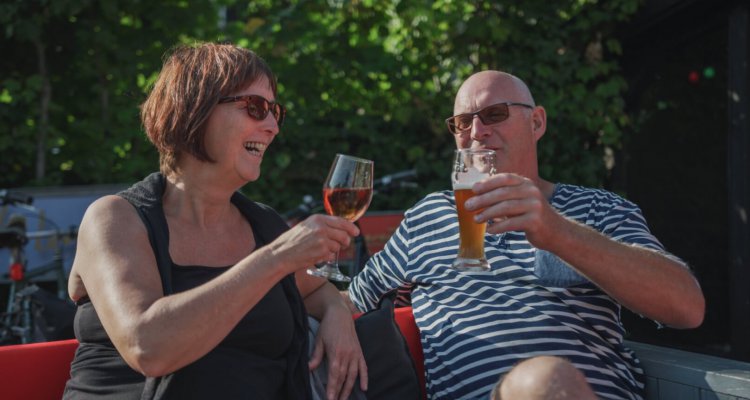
(263, 357)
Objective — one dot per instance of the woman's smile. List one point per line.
(255, 148)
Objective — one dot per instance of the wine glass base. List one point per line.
(470, 264)
(329, 272)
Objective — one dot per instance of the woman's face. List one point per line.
(237, 142)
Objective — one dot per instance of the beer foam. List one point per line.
(465, 180)
(462, 185)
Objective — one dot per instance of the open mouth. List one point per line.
(255, 148)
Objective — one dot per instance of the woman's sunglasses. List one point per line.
(258, 107)
(489, 115)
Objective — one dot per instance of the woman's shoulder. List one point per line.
(110, 211)
(110, 206)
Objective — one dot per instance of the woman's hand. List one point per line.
(317, 238)
(337, 339)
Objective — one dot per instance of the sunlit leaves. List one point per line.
(374, 78)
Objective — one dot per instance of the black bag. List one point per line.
(390, 368)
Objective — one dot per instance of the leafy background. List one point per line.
(364, 77)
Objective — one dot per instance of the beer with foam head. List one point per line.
(471, 234)
(470, 167)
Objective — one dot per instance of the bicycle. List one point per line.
(24, 319)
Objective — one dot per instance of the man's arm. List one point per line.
(640, 279)
(643, 280)
(383, 272)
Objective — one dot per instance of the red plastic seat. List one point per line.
(405, 321)
(36, 371)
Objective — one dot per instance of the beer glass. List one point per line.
(347, 193)
(470, 167)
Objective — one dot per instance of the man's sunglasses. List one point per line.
(258, 107)
(489, 115)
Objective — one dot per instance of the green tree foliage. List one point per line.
(364, 77)
(97, 58)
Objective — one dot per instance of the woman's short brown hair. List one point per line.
(189, 86)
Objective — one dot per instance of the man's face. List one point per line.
(513, 139)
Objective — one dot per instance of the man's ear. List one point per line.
(538, 122)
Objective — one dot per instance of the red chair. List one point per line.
(405, 320)
(36, 371)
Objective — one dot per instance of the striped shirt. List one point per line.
(475, 326)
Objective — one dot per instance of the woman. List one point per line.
(183, 280)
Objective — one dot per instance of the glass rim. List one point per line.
(353, 158)
(477, 151)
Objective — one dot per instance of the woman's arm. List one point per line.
(158, 334)
(336, 338)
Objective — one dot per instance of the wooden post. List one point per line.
(738, 174)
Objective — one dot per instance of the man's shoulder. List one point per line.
(434, 208)
(568, 195)
(432, 202)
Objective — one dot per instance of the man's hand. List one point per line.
(646, 282)
(511, 202)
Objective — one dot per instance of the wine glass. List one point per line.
(347, 193)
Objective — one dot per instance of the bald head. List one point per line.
(490, 87)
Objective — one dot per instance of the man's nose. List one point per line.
(479, 130)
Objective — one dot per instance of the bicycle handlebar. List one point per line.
(400, 179)
(13, 198)
(308, 205)
(14, 234)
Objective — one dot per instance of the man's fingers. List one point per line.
(497, 180)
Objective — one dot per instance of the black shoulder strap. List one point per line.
(269, 225)
(264, 219)
(146, 197)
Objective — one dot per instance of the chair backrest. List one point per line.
(36, 371)
(407, 325)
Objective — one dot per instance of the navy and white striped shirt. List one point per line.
(475, 326)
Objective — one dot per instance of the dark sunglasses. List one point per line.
(489, 115)
(258, 107)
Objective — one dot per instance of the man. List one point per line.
(563, 259)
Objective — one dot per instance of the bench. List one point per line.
(677, 374)
(39, 371)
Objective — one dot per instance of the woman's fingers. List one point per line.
(351, 378)
(317, 355)
(336, 377)
(364, 378)
(317, 239)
